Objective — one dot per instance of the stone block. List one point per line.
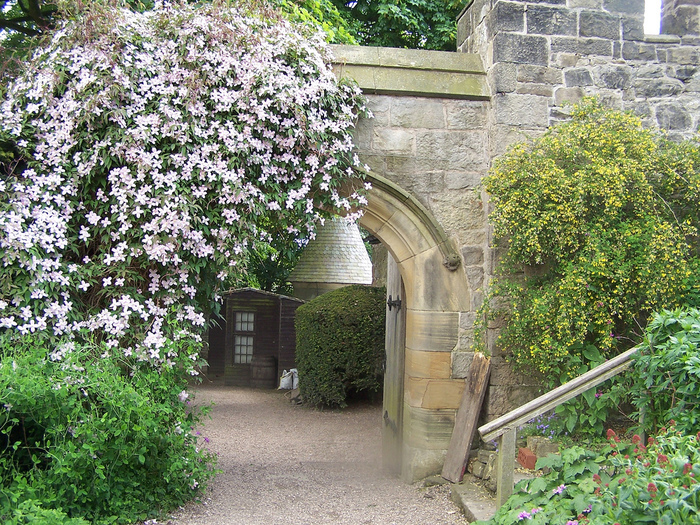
(466, 114)
(542, 446)
(613, 77)
(585, 4)
(650, 71)
(419, 462)
(630, 7)
(582, 46)
(503, 77)
(599, 25)
(526, 458)
(502, 399)
(461, 361)
(684, 73)
(431, 331)
(636, 51)
(414, 112)
(459, 180)
(520, 49)
(578, 77)
(453, 150)
(506, 16)
(553, 2)
(632, 28)
(673, 117)
(473, 255)
(545, 20)
(477, 468)
(540, 90)
(522, 110)
(661, 87)
(475, 276)
(443, 394)
(539, 74)
(467, 320)
(570, 95)
(380, 106)
(428, 364)
(504, 374)
(683, 55)
(393, 141)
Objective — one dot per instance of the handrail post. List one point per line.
(505, 466)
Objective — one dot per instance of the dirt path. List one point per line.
(285, 464)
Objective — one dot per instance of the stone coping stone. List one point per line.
(413, 72)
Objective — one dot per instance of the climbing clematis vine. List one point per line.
(149, 152)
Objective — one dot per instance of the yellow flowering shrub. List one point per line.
(600, 219)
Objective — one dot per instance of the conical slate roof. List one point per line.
(337, 255)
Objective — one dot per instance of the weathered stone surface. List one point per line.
(600, 25)
(453, 150)
(506, 16)
(544, 20)
(632, 7)
(502, 399)
(459, 180)
(684, 72)
(673, 117)
(578, 77)
(414, 112)
(582, 46)
(637, 51)
(502, 374)
(632, 28)
(393, 141)
(571, 95)
(503, 77)
(539, 74)
(461, 361)
(475, 276)
(540, 90)
(473, 255)
(613, 77)
(684, 55)
(662, 87)
(466, 320)
(428, 364)
(466, 114)
(522, 110)
(431, 331)
(650, 71)
(523, 49)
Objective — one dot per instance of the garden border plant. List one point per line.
(599, 220)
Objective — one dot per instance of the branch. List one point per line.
(10, 24)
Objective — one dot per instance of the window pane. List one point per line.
(245, 322)
(242, 349)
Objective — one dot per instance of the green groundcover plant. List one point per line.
(625, 483)
(89, 436)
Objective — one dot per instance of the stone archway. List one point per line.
(435, 295)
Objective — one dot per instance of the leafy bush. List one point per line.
(625, 484)
(666, 371)
(340, 344)
(599, 218)
(82, 438)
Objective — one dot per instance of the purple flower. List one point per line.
(572, 522)
(524, 515)
(559, 489)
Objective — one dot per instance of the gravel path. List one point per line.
(286, 465)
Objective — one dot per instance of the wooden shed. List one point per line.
(256, 331)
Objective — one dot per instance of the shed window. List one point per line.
(243, 337)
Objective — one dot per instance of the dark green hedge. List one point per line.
(340, 344)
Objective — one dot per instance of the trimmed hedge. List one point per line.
(340, 344)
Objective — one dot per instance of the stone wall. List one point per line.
(540, 55)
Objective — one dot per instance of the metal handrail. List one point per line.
(503, 428)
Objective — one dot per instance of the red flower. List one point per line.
(687, 468)
(610, 433)
(650, 441)
(651, 487)
(596, 478)
(661, 459)
(636, 439)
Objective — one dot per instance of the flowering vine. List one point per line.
(150, 151)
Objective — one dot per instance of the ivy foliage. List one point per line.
(599, 220)
(340, 344)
